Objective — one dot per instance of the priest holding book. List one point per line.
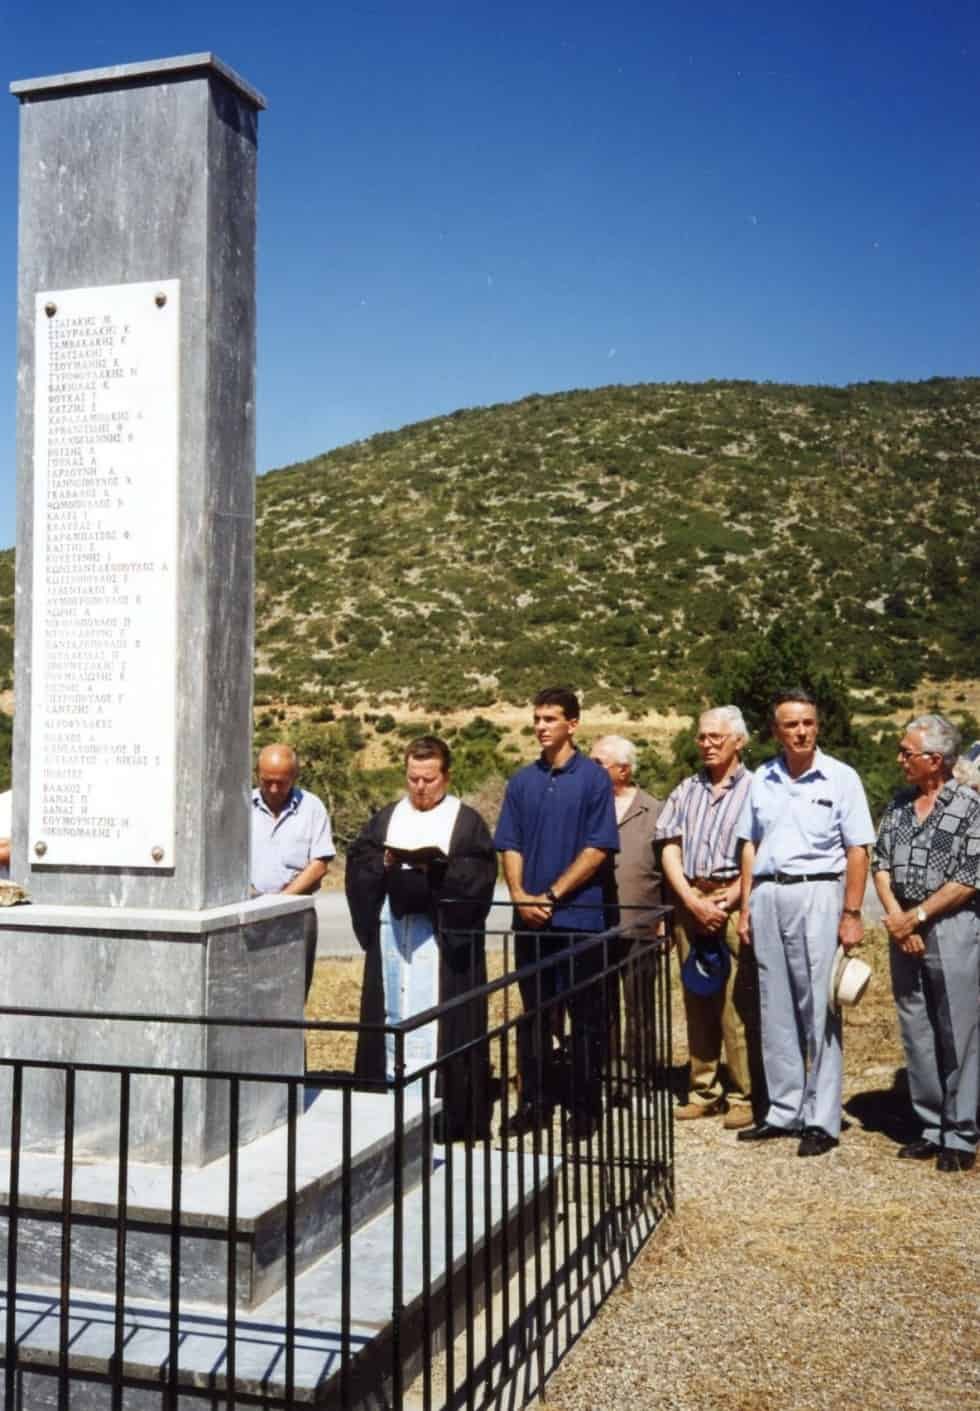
(420, 880)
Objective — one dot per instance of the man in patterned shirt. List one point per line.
(699, 858)
(927, 873)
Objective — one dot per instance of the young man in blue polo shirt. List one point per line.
(556, 834)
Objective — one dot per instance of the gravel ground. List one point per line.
(850, 1280)
(842, 1281)
(781, 1284)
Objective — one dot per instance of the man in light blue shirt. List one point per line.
(291, 839)
(806, 829)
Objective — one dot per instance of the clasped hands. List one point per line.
(534, 911)
(710, 914)
(901, 926)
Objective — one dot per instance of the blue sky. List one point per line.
(462, 203)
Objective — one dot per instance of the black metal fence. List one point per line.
(436, 1238)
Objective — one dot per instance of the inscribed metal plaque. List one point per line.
(103, 720)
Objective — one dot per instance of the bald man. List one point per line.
(291, 839)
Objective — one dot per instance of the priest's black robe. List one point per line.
(459, 895)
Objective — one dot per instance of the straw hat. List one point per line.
(849, 978)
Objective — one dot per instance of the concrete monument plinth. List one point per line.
(244, 962)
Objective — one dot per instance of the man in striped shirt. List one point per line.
(699, 858)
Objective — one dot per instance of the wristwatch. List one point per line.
(550, 894)
(920, 916)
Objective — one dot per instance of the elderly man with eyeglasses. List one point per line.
(927, 874)
(700, 848)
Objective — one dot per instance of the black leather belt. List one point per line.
(789, 879)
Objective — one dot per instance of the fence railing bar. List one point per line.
(176, 1192)
(449, 1237)
(122, 1198)
(469, 1275)
(13, 1233)
(346, 1232)
(427, 1332)
(398, 1226)
(67, 1181)
(231, 1268)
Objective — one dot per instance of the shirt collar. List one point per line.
(729, 783)
(290, 806)
(776, 769)
(566, 768)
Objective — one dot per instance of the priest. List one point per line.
(420, 879)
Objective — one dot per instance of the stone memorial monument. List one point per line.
(314, 1260)
(134, 618)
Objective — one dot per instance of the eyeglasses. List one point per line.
(914, 754)
(712, 739)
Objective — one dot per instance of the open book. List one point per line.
(415, 857)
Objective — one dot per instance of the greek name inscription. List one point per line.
(103, 734)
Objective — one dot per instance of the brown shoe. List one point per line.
(690, 1110)
(738, 1116)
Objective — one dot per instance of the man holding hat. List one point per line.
(699, 858)
(806, 830)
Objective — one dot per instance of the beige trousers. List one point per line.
(728, 1020)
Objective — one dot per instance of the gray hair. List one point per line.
(967, 771)
(732, 717)
(622, 750)
(939, 736)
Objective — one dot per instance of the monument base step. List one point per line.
(502, 1208)
(262, 1210)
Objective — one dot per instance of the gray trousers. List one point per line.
(936, 997)
(794, 935)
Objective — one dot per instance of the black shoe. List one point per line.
(764, 1132)
(950, 1159)
(921, 1150)
(529, 1117)
(815, 1142)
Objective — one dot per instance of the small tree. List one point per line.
(781, 659)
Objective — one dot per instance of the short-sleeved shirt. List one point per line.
(705, 823)
(283, 844)
(805, 824)
(549, 816)
(921, 855)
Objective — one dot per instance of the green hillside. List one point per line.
(631, 540)
(634, 541)
(655, 546)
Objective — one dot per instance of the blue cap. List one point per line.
(707, 966)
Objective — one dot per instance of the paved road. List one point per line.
(336, 937)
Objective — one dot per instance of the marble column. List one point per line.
(134, 618)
